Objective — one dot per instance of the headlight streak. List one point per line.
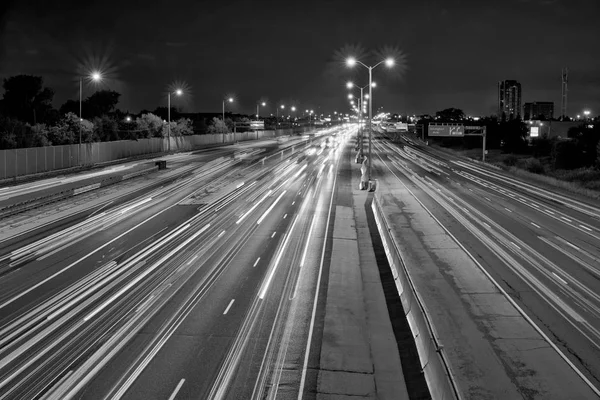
(254, 207)
(270, 208)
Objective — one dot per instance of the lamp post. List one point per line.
(229, 99)
(277, 115)
(586, 113)
(177, 92)
(259, 104)
(389, 62)
(95, 77)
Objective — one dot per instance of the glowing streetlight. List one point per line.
(128, 118)
(259, 104)
(277, 114)
(176, 92)
(230, 100)
(350, 96)
(95, 76)
(389, 62)
(586, 113)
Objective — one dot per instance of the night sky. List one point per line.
(291, 52)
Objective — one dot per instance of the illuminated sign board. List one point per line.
(257, 125)
(446, 130)
(534, 131)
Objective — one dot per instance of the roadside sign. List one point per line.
(446, 130)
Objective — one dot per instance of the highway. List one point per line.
(201, 284)
(542, 247)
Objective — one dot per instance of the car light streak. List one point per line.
(307, 241)
(144, 274)
(254, 207)
(270, 208)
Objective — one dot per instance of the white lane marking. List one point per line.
(221, 234)
(534, 205)
(549, 212)
(270, 208)
(314, 310)
(285, 216)
(307, 241)
(514, 244)
(293, 202)
(560, 279)
(566, 219)
(273, 234)
(507, 209)
(256, 262)
(229, 306)
(470, 189)
(536, 225)
(486, 224)
(488, 199)
(177, 389)
(571, 244)
(585, 227)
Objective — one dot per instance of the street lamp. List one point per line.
(176, 92)
(389, 62)
(361, 105)
(586, 113)
(229, 99)
(259, 104)
(277, 115)
(95, 77)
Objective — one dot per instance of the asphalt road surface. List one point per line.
(541, 246)
(201, 286)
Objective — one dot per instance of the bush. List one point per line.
(532, 165)
(565, 155)
(510, 160)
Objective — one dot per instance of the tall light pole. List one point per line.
(95, 77)
(259, 104)
(177, 92)
(277, 115)
(293, 115)
(351, 62)
(229, 99)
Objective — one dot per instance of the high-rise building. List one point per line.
(509, 99)
(543, 110)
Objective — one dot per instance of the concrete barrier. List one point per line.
(434, 364)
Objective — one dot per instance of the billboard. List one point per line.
(446, 130)
(401, 126)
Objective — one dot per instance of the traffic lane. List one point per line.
(152, 203)
(216, 299)
(498, 178)
(582, 351)
(520, 207)
(37, 281)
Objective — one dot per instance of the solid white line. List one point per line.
(229, 306)
(256, 262)
(308, 241)
(314, 310)
(177, 389)
(536, 225)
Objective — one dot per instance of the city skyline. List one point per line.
(293, 58)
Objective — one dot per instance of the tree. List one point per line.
(183, 126)
(450, 114)
(150, 125)
(106, 128)
(67, 131)
(25, 98)
(218, 126)
(101, 103)
(513, 133)
(565, 154)
(70, 106)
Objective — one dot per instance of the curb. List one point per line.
(431, 353)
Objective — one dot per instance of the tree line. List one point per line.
(28, 119)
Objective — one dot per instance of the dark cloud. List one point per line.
(454, 51)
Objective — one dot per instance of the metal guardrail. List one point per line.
(434, 363)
